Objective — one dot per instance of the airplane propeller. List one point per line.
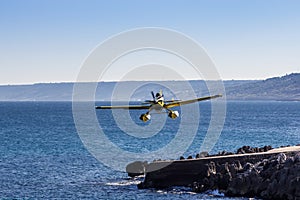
(153, 96)
(150, 101)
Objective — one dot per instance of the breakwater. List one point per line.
(271, 174)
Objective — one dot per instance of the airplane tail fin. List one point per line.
(160, 92)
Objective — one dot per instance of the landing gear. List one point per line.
(145, 117)
(173, 114)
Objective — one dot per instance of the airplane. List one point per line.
(158, 104)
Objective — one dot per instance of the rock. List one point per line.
(240, 151)
(267, 148)
(202, 154)
(275, 178)
(211, 169)
(294, 187)
(281, 158)
(248, 167)
(297, 157)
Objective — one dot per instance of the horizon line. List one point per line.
(112, 81)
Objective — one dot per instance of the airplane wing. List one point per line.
(179, 103)
(130, 107)
(172, 101)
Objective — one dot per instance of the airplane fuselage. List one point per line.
(159, 103)
(158, 106)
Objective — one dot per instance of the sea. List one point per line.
(42, 155)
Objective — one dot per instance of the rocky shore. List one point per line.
(277, 177)
(250, 172)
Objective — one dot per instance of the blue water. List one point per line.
(42, 156)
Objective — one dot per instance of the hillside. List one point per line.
(277, 88)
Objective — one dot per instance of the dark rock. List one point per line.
(240, 151)
(275, 178)
(267, 148)
(289, 162)
(281, 158)
(211, 169)
(248, 167)
(297, 157)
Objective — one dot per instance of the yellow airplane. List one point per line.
(158, 104)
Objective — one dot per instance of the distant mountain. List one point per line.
(37, 92)
(278, 88)
(285, 88)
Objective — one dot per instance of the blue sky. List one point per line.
(47, 41)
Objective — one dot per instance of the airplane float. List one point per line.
(158, 104)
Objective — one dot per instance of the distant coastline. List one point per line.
(285, 88)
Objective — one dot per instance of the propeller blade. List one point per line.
(153, 96)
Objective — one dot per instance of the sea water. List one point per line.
(42, 156)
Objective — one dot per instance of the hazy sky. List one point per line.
(47, 40)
